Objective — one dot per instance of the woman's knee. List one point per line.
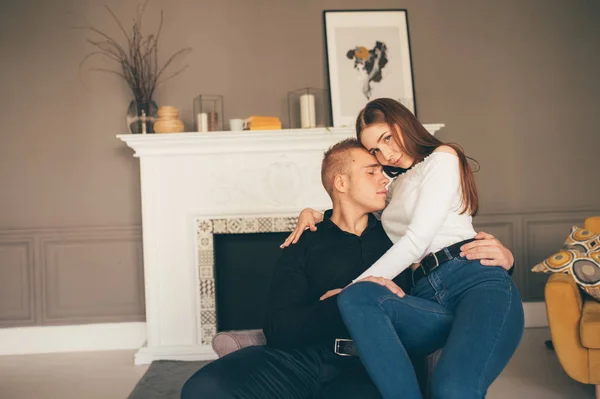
(361, 294)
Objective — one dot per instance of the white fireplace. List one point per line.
(195, 185)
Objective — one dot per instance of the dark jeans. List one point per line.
(474, 312)
(260, 372)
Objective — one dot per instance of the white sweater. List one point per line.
(422, 215)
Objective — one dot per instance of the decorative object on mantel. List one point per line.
(168, 120)
(208, 113)
(138, 62)
(141, 116)
(236, 125)
(262, 123)
(368, 57)
(307, 108)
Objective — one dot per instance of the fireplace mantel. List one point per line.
(186, 177)
(246, 141)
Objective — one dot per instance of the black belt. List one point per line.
(433, 260)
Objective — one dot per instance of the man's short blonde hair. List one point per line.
(337, 160)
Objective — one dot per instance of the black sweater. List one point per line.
(323, 260)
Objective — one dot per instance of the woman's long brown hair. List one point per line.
(418, 143)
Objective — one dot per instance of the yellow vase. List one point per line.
(168, 120)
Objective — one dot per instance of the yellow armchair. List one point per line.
(574, 321)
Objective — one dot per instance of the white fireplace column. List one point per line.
(186, 177)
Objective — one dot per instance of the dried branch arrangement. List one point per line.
(138, 60)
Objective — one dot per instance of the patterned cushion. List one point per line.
(580, 257)
(582, 240)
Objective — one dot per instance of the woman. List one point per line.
(473, 311)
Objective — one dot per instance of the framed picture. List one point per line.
(368, 57)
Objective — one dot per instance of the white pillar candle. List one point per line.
(307, 111)
(202, 122)
(144, 120)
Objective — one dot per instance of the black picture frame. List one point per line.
(369, 56)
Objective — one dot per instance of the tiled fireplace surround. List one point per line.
(195, 185)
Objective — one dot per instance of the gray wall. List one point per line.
(515, 82)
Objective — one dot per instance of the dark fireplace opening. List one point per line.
(244, 265)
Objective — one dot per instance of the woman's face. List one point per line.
(378, 140)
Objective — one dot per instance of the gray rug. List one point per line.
(164, 379)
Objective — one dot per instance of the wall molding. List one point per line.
(589, 210)
(8, 231)
(92, 247)
(76, 230)
(487, 223)
(25, 314)
(56, 265)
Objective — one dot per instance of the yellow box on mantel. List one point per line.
(262, 123)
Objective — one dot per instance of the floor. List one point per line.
(533, 373)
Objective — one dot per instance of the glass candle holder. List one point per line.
(308, 108)
(208, 113)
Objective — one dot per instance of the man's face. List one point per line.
(367, 183)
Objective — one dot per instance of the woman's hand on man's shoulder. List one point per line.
(308, 219)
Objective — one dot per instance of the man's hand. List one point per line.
(330, 293)
(489, 251)
(389, 284)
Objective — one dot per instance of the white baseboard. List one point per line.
(535, 314)
(72, 338)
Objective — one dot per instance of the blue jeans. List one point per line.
(473, 311)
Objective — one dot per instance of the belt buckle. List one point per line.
(339, 346)
(437, 262)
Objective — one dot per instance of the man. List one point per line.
(303, 321)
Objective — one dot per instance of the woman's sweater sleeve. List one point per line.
(438, 192)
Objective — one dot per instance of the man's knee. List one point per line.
(204, 384)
